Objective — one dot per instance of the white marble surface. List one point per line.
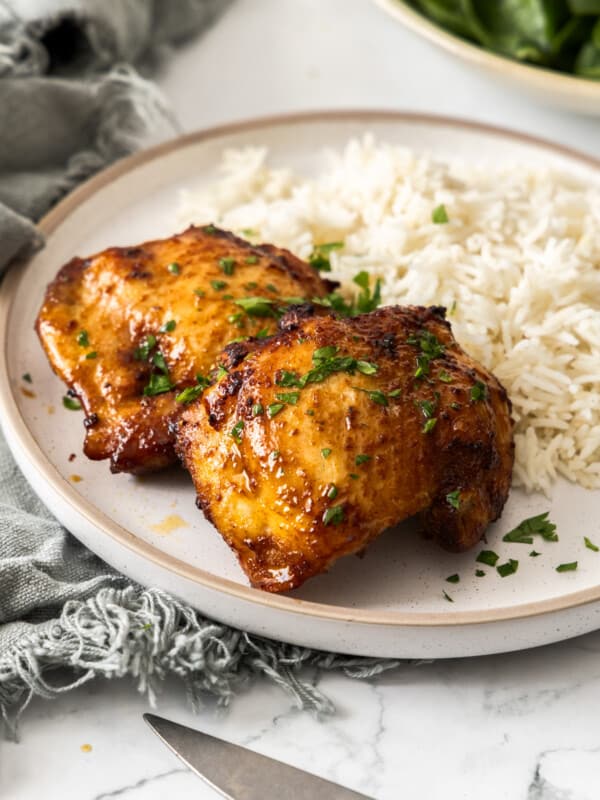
(521, 726)
(514, 727)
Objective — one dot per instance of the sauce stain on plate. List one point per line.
(169, 524)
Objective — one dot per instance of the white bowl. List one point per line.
(549, 86)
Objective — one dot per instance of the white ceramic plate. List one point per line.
(391, 601)
(550, 87)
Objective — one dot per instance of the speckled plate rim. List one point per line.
(540, 78)
(11, 417)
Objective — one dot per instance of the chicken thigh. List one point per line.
(131, 327)
(316, 440)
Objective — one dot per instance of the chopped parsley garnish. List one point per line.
(444, 376)
(364, 302)
(367, 301)
(479, 573)
(333, 515)
(478, 392)
(326, 363)
(286, 378)
(571, 566)
(83, 339)
(221, 372)
(310, 412)
(168, 327)
(71, 403)
(430, 348)
(236, 431)
(257, 409)
(488, 557)
(367, 367)
(590, 545)
(439, 215)
(236, 319)
(453, 499)
(251, 260)
(530, 527)
(332, 492)
(288, 397)
(191, 393)
(427, 407)
(361, 458)
(274, 409)
(257, 306)
(159, 362)
(534, 554)
(338, 303)
(319, 258)
(324, 353)
(218, 286)
(453, 578)
(249, 232)
(209, 229)
(395, 393)
(272, 288)
(27, 377)
(509, 568)
(159, 384)
(142, 352)
(253, 284)
(430, 425)
(174, 268)
(92, 354)
(227, 265)
(375, 395)
(199, 292)
(422, 367)
(326, 452)
(262, 334)
(354, 476)
(448, 598)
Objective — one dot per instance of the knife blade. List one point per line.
(240, 774)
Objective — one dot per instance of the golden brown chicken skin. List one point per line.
(129, 328)
(323, 436)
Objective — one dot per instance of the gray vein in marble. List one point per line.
(363, 753)
(268, 727)
(138, 784)
(543, 787)
(517, 702)
(355, 750)
(379, 765)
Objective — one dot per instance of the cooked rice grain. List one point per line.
(517, 265)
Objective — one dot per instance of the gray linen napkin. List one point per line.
(69, 105)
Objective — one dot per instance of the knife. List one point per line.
(240, 774)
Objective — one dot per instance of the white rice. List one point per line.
(517, 265)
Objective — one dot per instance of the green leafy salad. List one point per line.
(558, 34)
